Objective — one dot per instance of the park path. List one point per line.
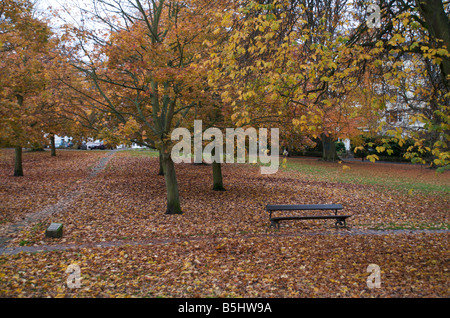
(57, 207)
(159, 241)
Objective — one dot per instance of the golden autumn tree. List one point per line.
(65, 108)
(288, 63)
(24, 47)
(143, 74)
(308, 58)
(410, 48)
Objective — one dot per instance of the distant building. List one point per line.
(400, 115)
(62, 141)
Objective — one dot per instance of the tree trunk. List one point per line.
(329, 148)
(52, 145)
(18, 170)
(173, 199)
(161, 164)
(217, 177)
(439, 27)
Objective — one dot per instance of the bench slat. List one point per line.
(279, 218)
(271, 207)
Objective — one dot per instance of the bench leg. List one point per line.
(340, 223)
(275, 224)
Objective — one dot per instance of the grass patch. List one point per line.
(24, 243)
(410, 226)
(387, 176)
(141, 152)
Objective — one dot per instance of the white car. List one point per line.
(95, 145)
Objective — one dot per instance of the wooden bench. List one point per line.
(274, 221)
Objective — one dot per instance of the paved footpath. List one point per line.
(158, 241)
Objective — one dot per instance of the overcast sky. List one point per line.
(62, 6)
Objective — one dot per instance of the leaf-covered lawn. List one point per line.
(221, 245)
(303, 266)
(47, 180)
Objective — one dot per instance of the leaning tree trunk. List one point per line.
(18, 170)
(438, 24)
(217, 177)
(173, 198)
(52, 145)
(329, 148)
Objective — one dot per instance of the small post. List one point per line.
(54, 230)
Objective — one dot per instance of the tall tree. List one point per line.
(287, 63)
(411, 46)
(306, 56)
(24, 46)
(142, 67)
